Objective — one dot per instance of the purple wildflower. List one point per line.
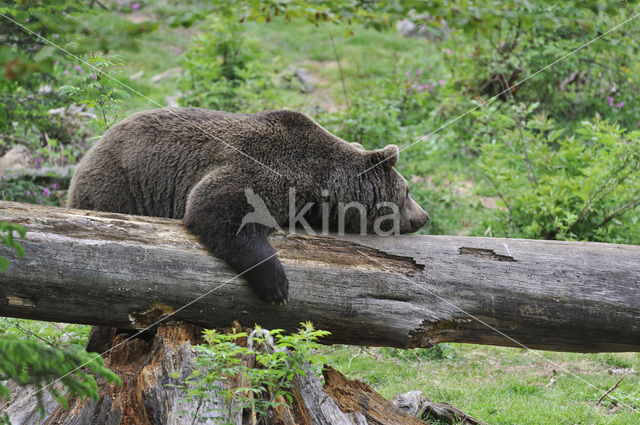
(441, 82)
(135, 6)
(408, 74)
(502, 44)
(431, 87)
(65, 72)
(38, 162)
(619, 105)
(419, 72)
(28, 20)
(79, 69)
(93, 76)
(56, 35)
(54, 186)
(28, 193)
(46, 192)
(448, 51)
(610, 101)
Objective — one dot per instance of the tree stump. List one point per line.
(153, 364)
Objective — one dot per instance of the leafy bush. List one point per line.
(7, 239)
(226, 70)
(42, 85)
(58, 335)
(34, 69)
(556, 186)
(437, 352)
(278, 358)
(33, 363)
(370, 122)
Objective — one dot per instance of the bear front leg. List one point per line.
(214, 213)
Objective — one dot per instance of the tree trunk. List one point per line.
(404, 291)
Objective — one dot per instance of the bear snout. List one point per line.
(418, 222)
(414, 217)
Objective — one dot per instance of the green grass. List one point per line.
(503, 385)
(499, 385)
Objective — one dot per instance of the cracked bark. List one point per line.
(404, 291)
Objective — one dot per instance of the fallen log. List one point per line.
(404, 291)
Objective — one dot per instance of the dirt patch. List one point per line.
(139, 17)
(320, 95)
(319, 64)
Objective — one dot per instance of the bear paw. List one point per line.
(270, 282)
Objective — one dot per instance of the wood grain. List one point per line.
(403, 291)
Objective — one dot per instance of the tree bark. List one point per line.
(403, 291)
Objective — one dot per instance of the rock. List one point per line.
(406, 28)
(305, 79)
(423, 26)
(18, 157)
(71, 111)
(46, 89)
(172, 101)
(169, 73)
(60, 174)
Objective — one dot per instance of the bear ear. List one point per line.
(386, 157)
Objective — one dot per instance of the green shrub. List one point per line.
(31, 362)
(437, 352)
(7, 239)
(584, 185)
(278, 358)
(224, 69)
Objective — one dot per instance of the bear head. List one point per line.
(374, 198)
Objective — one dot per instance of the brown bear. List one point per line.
(206, 167)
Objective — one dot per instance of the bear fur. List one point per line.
(198, 165)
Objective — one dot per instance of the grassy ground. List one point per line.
(497, 385)
(503, 385)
